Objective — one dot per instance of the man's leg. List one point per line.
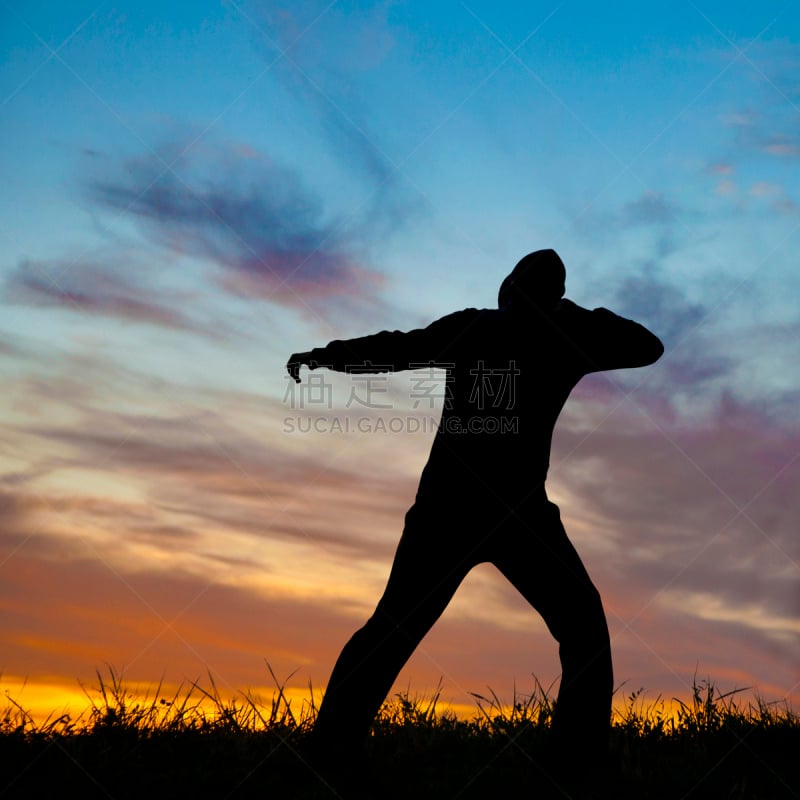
(424, 576)
(542, 564)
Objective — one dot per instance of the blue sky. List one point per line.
(196, 190)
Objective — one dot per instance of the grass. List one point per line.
(194, 743)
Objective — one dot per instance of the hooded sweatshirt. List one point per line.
(509, 372)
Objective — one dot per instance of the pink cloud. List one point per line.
(721, 168)
(263, 229)
(782, 148)
(105, 291)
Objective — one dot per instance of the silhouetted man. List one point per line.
(481, 496)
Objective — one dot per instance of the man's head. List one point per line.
(537, 282)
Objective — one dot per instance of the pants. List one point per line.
(531, 549)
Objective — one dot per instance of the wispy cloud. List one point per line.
(694, 359)
(328, 81)
(232, 523)
(720, 168)
(764, 123)
(741, 119)
(651, 207)
(176, 626)
(106, 291)
(662, 305)
(782, 146)
(252, 218)
(205, 472)
(687, 508)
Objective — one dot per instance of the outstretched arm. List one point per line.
(388, 351)
(347, 356)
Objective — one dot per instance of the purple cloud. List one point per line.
(689, 510)
(253, 219)
(92, 289)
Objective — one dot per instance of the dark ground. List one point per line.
(117, 763)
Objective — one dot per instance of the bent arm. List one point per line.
(609, 341)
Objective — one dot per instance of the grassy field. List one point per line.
(195, 744)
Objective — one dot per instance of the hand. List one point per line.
(296, 360)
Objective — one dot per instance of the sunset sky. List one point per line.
(194, 190)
